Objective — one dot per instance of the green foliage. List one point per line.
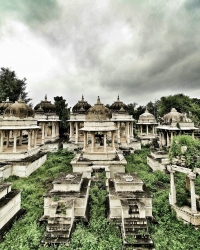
(26, 233)
(168, 233)
(62, 111)
(11, 86)
(191, 157)
(99, 234)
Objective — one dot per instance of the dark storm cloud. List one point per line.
(128, 47)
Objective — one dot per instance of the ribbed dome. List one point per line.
(117, 105)
(173, 116)
(98, 112)
(81, 106)
(4, 105)
(147, 117)
(19, 109)
(46, 105)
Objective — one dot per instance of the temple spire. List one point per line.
(82, 98)
(98, 100)
(45, 98)
(118, 98)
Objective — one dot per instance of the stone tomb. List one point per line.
(64, 203)
(10, 205)
(131, 203)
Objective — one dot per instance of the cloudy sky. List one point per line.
(139, 49)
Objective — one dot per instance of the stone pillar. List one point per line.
(85, 140)
(172, 186)
(193, 134)
(76, 139)
(20, 137)
(118, 132)
(153, 130)
(147, 129)
(127, 132)
(168, 142)
(93, 141)
(43, 128)
(8, 137)
(113, 140)
(71, 129)
(131, 130)
(15, 141)
(35, 138)
(192, 177)
(53, 134)
(1, 141)
(29, 139)
(172, 136)
(32, 138)
(104, 141)
(141, 129)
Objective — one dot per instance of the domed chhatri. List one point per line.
(46, 105)
(18, 109)
(173, 116)
(4, 105)
(81, 106)
(147, 117)
(117, 106)
(98, 112)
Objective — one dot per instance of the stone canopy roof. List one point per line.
(18, 109)
(81, 106)
(46, 105)
(117, 106)
(174, 116)
(147, 117)
(98, 112)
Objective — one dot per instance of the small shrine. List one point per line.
(77, 119)
(130, 205)
(66, 202)
(147, 127)
(124, 123)
(99, 142)
(45, 114)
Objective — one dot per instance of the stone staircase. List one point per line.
(135, 231)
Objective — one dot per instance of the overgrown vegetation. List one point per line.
(190, 156)
(169, 233)
(26, 233)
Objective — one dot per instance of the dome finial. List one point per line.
(82, 98)
(20, 98)
(7, 99)
(118, 98)
(146, 110)
(98, 100)
(45, 98)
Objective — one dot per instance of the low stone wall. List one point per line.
(193, 218)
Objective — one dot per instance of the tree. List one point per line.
(63, 112)
(11, 86)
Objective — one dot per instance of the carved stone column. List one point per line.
(93, 141)
(43, 128)
(192, 177)
(1, 141)
(168, 142)
(35, 138)
(147, 129)
(8, 137)
(15, 141)
(172, 136)
(84, 140)
(172, 186)
(29, 139)
(76, 139)
(53, 130)
(127, 132)
(20, 137)
(118, 132)
(104, 141)
(113, 140)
